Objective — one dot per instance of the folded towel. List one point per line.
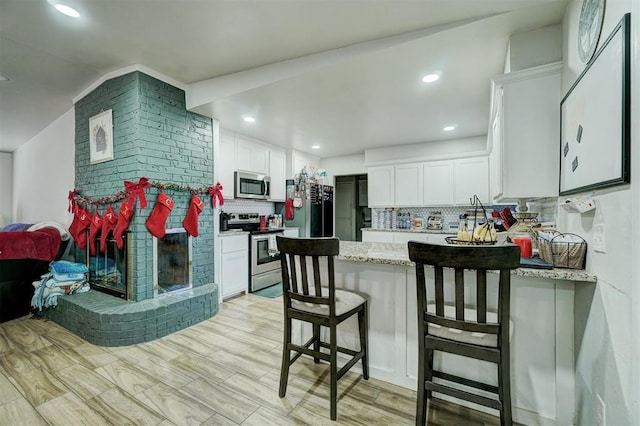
(101, 263)
(63, 270)
(273, 245)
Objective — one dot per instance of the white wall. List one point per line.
(439, 150)
(6, 187)
(534, 48)
(635, 225)
(603, 311)
(44, 170)
(342, 166)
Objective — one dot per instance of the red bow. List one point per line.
(72, 201)
(216, 194)
(137, 189)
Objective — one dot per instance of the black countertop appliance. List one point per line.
(224, 221)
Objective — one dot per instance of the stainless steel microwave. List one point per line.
(249, 185)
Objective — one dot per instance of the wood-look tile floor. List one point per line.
(223, 371)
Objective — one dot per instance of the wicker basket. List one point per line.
(562, 254)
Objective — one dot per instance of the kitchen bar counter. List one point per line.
(397, 254)
(412, 230)
(542, 317)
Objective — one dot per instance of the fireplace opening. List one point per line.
(108, 269)
(172, 262)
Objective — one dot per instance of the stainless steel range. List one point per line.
(264, 259)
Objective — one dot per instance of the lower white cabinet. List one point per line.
(234, 265)
(291, 232)
(377, 237)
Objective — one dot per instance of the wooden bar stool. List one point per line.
(475, 333)
(305, 299)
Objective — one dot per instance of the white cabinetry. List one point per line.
(277, 167)
(471, 177)
(405, 237)
(408, 185)
(234, 264)
(434, 183)
(402, 237)
(226, 162)
(381, 186)
(377, 237)
(524, 132)
(300, 161)
(251, 157)
(291, 232)
(438, 183)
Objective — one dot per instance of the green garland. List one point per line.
(171, 186)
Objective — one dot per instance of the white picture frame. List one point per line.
(101, 137)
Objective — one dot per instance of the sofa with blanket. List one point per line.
(25, 254)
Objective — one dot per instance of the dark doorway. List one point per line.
(351, 210)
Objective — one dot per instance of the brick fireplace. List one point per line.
(154, 136)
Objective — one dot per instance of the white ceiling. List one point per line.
(361, 89)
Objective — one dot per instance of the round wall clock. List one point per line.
(589, 28)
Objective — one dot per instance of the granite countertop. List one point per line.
(413, 230)
(397, 254)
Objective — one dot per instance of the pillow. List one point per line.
(64, 234)
(17, 227)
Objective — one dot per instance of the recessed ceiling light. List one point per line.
(3, 78)
(249, 119)
(449, 128)
(315, 146)
(66, 10)
(430, 78)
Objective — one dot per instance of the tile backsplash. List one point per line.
(450, 215)
(244, 205)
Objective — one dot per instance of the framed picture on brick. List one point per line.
(101, 137)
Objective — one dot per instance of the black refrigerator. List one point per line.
(314, 218)
(320, 206)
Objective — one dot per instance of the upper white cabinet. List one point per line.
(277, 167)
(251, 157)
(408, 184)
(524, 132)
(226, 163)
(438, 183)
(471, 177)
(434, 183)
(381, 186)
(300, 161)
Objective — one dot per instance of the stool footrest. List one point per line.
(466, 382)
(467, 396)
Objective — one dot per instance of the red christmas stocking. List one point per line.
(94, 228)
(81, 220)
(190, 221)
(109, 222)
(124, 217)
(159, 215)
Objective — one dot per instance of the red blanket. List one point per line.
(42, 244)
